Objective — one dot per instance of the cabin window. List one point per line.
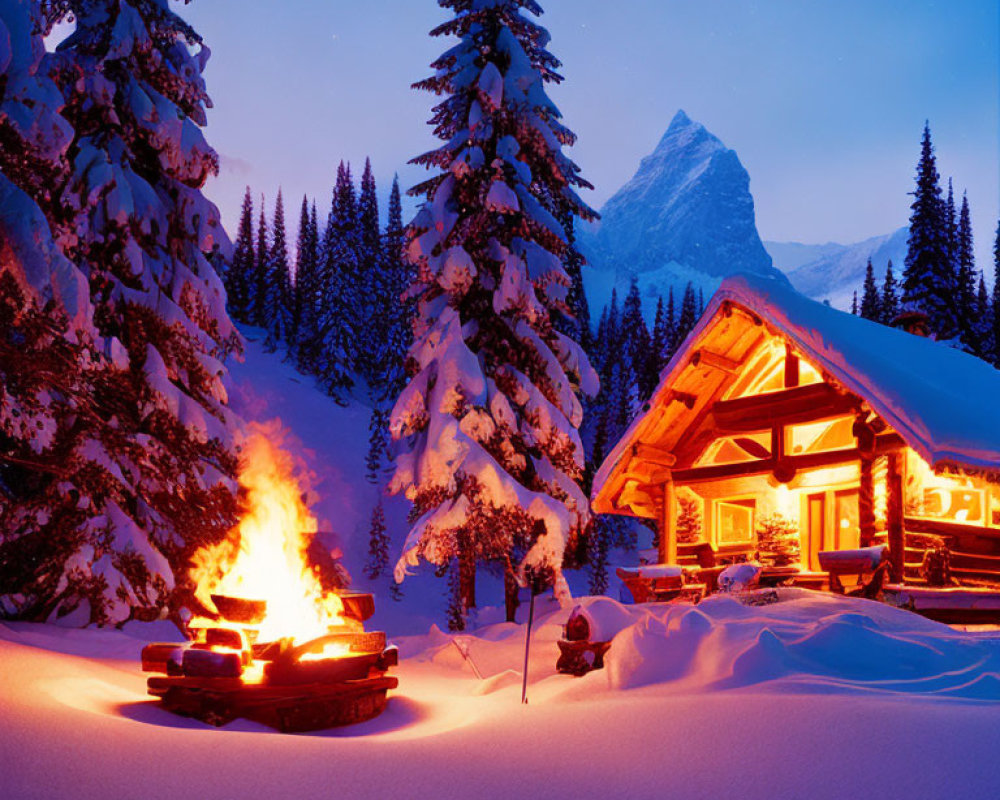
(734, 522)
(736, 449)
(820, 437)
(765, 373)
(949, 498)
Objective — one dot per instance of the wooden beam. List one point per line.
(800, 404)
(715, 361)
(865, 434)
(653, 454)
(894, 522)
(791, 368)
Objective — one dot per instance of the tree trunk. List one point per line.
(467, 575)
(510, 592)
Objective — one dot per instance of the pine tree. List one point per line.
(143, 227)
(399, 276)
(854, 303)
(658, 344)
(871, 304)
(929, 281)
(378, 543)
(995, 305)
(635, 336)
(278, 297)
(890, 296)
(687, 318)
(305, 275)
(241, 268)
(371, 324)
(575, 324)
(263, 277)
(339, 297)
(491, 376)
(951, 226)
(968, 319)
(983, 320)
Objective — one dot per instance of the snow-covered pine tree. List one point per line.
(131, 76)
(965, 259)
(871, 304)
(378, 543)
(995, 305)
(983, 320)
(657, 346)
(635, 336)
(951, 226)
(491, 413)
(929, 278)
(576, 324)
(399, 276)
(278, 298)
(597, 556)
(670, 346)
(240, 274)
(310, 296)
(303, 267)
(263, 277)
(889, 303)
(48, 431)
(371, 318)
(688, 316)
(339, 290)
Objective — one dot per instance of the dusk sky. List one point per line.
(823, 102)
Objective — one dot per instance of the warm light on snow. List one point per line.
(264, 558)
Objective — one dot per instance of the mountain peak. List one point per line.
(686, 215)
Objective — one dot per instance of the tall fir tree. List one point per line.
(339, 299)
(240, 274)
(889, 304)
(142, 227)
(658, 345)
(969, 321)
(278, 297)
(304, 277)
(262, 271)
(493, 383)
(687, 317)
(371, 324)
(854, 303)
(929, 280)
(995, 305)
(399, 276)
(871, 303)
(635, 337)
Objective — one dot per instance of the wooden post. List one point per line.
(791, 368)
(897, 535)
(866, 501)
(866, 437)
(668, 524)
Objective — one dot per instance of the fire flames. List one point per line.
(264, 556)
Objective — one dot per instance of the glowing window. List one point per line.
(820, 437)
(734, 521)
(736, 449)
(952, 498)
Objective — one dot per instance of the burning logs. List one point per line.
(335, 679)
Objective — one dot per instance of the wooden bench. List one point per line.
(862, 563)
(652, 584)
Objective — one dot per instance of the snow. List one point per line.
(813, 696)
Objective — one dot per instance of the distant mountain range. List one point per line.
(834, 271)
(686, 215)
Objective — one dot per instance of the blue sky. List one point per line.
(824, 102)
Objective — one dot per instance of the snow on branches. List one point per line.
(492, 457)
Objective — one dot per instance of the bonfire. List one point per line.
(273, 644)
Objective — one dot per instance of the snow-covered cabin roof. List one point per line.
(944, 403)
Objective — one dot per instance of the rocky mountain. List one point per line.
(833, 271)
(686, 215)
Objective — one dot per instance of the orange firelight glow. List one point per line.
(264, 557)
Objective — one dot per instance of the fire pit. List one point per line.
(278, 640)
(336, 679)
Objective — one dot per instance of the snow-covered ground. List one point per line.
(812, 696)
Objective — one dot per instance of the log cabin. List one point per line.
(848, 433)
